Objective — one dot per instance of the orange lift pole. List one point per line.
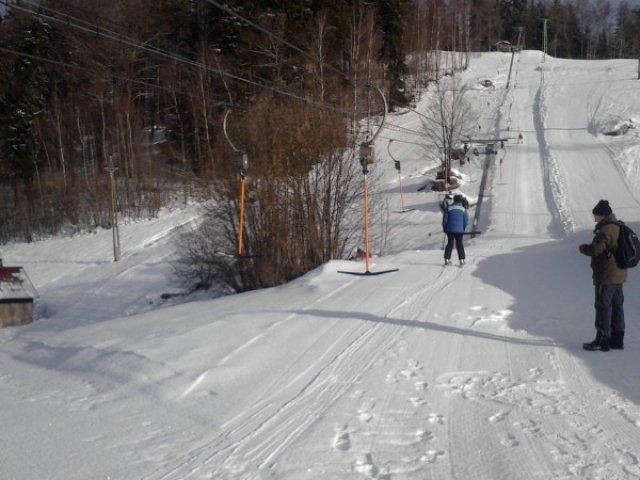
(242, 164)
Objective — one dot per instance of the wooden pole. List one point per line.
(117, 252)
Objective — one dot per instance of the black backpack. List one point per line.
(627, 252)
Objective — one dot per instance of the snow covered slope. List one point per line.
(473, 373)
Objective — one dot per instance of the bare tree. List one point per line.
(301, 186)
(449, 122)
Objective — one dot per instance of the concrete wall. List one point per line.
(18, 312)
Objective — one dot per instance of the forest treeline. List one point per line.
(120, 107)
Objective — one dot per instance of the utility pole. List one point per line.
(513, 53)
(114, 212)
(545, 20)
(520, 43)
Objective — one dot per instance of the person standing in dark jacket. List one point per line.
(454, 223)
(607, 279)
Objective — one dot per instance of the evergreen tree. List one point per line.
(486, 24)
(602, 46)
(627, 32)
(512, 14)
(25, 96)
(392, 15)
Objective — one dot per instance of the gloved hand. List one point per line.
(583, 249)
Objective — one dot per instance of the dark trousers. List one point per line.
(451, 238)
(609, 309)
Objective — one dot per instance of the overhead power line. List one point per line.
(407, 142)
(88, 70)
(410, 131)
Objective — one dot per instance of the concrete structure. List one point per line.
(16, 302)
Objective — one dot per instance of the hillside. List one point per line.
(473, 373)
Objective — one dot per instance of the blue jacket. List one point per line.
(455, 219)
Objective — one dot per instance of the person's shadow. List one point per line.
(551, 284)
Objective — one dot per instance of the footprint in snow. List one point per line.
(528, 426)
(497, 417)
(342, 439)
(407, 374)
(364, 416)
(435, 418)
(414, 364)
(364, 412)
(432, 456)
(628, 461)
(510, 440)
(421, 386)
(365, 466)
(425, 435)
(535, 372)
(357, 394)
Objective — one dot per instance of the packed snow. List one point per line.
(427, 372)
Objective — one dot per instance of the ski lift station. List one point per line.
(16, 296)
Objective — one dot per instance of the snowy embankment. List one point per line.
(426, 372)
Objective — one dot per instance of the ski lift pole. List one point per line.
(240, 240)
(366, 223)
(366, 158)
(242, 164)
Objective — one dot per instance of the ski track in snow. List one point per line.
(522, 407)
(252, 440)
(533, 399)
(374, 442)
(431, 377)
(553, 184)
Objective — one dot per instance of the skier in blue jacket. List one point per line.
(454, 223)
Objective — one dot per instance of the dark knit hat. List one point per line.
(457, 198)
(602, 208)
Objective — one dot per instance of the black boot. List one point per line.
(602, 343)
(617, 341)
(595, 345)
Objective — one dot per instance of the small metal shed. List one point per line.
(16, 299)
